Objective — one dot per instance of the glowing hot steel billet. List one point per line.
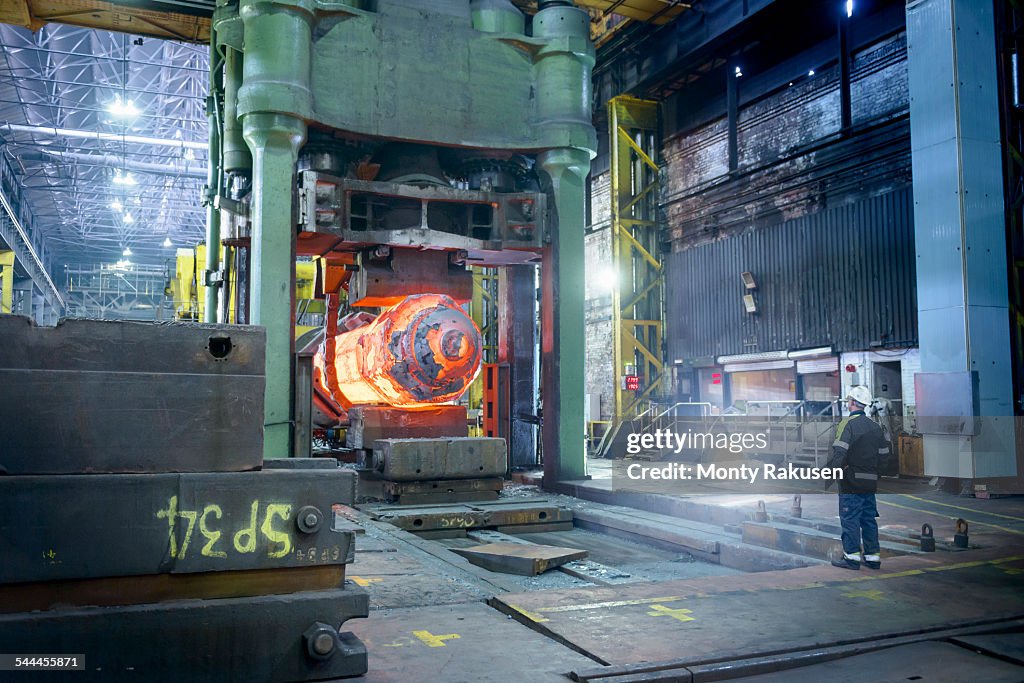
(421, 352)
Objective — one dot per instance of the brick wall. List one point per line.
(599, 371)
(792, 159)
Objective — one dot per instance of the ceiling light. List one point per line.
(167, 242)
(849, 8)
(116, 205)
(128, 218)
(811, 72)
(124, 178)
(127, 251)
(123, 109)
(189, 154)
(738, 72)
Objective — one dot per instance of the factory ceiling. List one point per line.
(65, 66)
(106, 133)
(189, 20)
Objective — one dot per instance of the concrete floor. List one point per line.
(435, 617)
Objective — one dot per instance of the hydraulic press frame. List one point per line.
(384, 74)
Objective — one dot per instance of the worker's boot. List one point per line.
(873, 561)
(846, 562)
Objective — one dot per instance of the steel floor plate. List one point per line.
(730, 617)
(467, 643)
(929, 662)
(1008, 646)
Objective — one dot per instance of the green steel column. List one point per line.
(563, 71)
(235, 157)
(274, 102)
(563, 342)
(210, 191)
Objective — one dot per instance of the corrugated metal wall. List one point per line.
(844, 276)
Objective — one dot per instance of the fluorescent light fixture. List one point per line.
(804, 354)
(811, 72)
(124, 178)
(849, 8)
(738, 72)
(127, 251)
(167, 242)
(189, 154)
(123, 109)
(128, 218)
(754, 357)
(116, 205)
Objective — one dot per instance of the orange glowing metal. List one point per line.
(421, 352)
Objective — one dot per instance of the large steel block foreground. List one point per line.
(208, 576)
(109, 396)
(136, 528)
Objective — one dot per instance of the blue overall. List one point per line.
(857, 513)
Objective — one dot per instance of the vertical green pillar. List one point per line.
(563, 71)
(274, 103)
(213, 171)
(563, 340)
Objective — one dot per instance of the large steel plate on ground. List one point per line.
(238, 639)
(430, 459)
(470, 515)
(78, 526)
(115, 396)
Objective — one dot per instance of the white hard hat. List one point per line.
(860, 394)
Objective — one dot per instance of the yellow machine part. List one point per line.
(187, 287)
(189, 292)
(6, 281)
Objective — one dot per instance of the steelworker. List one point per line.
(860, 449)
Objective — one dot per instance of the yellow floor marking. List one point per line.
(939, 514)
(1013, 571)
(804, 586)
(961, 507)
(869, 595)
(430, 640)
(615, 603)
(678, 614)
(943, 568)
(364, 582)
(532, 616)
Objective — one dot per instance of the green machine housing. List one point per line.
(442, 125)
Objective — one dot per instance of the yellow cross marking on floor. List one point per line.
(364, 582)
(870, 595)
(430, 640)
(662, 611)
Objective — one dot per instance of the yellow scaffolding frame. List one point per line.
(638, 294)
